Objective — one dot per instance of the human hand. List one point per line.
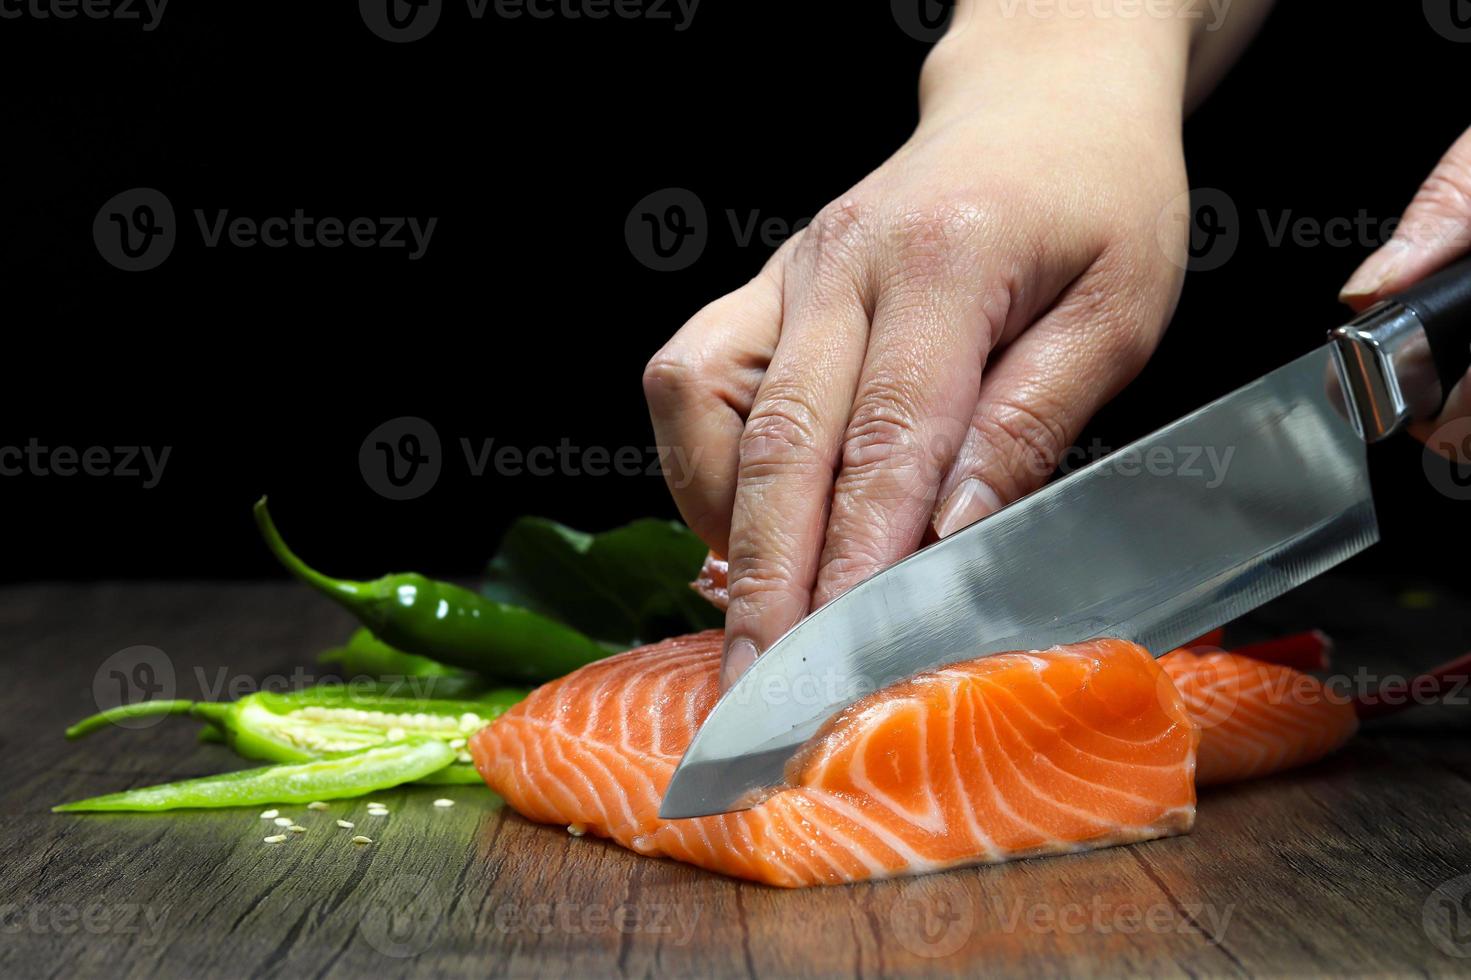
(925, 350)
(1435, 230)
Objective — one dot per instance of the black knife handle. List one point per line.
(1442, 303)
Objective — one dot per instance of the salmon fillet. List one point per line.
(1007, 756)
(1256, 718)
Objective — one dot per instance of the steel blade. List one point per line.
(1164, 540)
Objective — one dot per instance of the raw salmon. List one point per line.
(1007, 756)
(1257, 718)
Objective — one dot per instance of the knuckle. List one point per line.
(834, 243)
(759, 578)
(673, 376)
(1024, 443)
(1443, 204)
(882, 432)
(928, 243)
(779, 435)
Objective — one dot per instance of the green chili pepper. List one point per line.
(364, 655)
(342, 775)
(327, 719)
(448, 623)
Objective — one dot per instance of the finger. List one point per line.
(789, 449)
(1457, 407)
(1041, 391)
(932, 331)
(700, 387)
(1435, 230)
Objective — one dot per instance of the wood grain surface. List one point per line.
(1359, 865)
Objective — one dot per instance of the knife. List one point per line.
(1158, 543)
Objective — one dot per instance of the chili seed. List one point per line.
(345, 824)
(274, 838)
(360, 839)
(443, 802)
(576, 829)
(297, 828)
(316, 805)
(270, 814)
(282, 821)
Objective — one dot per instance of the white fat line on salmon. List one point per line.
(1105, 918)
(1123, 9)
(310, 232)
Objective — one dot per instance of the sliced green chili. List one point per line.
(447, 623)
(320, 721)
(345, 775)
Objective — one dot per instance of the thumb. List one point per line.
(1435, 230)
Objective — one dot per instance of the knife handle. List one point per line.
(1400, 358)
(1443, 304)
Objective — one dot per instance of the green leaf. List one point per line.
(627, 586)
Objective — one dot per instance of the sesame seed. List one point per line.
(360, 839)
(316, 805)
(297, 828)
(444, 802)
(274, 838)
(270, 814)
(345, 824)
(282, 821)
(374, 804)
(576, 829)
(378, 811)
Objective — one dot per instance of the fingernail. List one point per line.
(970, 502)
(739, 656)
(1377, 270)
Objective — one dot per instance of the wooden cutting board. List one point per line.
(1361, 864)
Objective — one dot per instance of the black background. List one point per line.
(529, 320)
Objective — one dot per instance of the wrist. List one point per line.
(1130, 57)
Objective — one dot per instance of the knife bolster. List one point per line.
(1387, 368)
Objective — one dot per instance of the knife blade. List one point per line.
(1160, 542)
